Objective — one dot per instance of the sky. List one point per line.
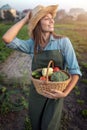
(29, 4)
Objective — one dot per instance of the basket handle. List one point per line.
(49, 64)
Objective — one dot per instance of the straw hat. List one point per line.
(38, 12)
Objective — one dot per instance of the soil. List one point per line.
(72, 111)
(72, 119)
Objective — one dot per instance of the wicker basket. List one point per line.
(41, 85)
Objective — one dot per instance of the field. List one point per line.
(4, 51)
(77, 32)
(77, 101)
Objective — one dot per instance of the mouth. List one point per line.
(51, 26)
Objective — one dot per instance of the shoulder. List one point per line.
(65, 41)
(60, 38)
(29, 41)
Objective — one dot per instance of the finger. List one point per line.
(56, 91)
(58, 94)
(47, 96)
(50, 94)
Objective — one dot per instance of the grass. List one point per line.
(13, 99)
(84, 81)
(4, 51)
(76, 31)
(84, 113)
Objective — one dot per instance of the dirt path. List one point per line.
(17, 68)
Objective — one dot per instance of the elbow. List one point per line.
(6, 39)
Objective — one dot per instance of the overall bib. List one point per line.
(45, 113)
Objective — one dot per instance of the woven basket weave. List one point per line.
(47, 85)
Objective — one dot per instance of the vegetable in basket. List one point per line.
(36, 74)
(59, 76)
(43, 78)
(55, 69)
(50, 71)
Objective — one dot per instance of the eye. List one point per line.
(49, 19)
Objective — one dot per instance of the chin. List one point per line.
(52, 30)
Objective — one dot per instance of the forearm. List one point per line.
(13, 31)
(71, 85)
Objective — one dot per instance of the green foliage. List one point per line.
(77, 32)
(2, 76)
(84, 64)
(11, 100)
(77, 91)
(4, 51)
(84, 113)
(27, 124)
(59, 76)
(81, 102)
(84, 81)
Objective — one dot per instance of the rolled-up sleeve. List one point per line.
(25, 46)
(70, 58)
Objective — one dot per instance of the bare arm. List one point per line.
(72, 84)
(13, 31)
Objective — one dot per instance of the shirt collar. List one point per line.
(51, 38)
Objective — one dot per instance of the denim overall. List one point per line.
(45, 113)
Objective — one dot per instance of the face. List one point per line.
(47, 23)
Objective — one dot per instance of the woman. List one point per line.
(45, 110)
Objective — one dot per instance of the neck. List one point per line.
(46, 37)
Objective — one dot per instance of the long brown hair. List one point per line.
(37, 35)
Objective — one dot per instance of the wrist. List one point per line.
(67, 91)
(65, 94)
